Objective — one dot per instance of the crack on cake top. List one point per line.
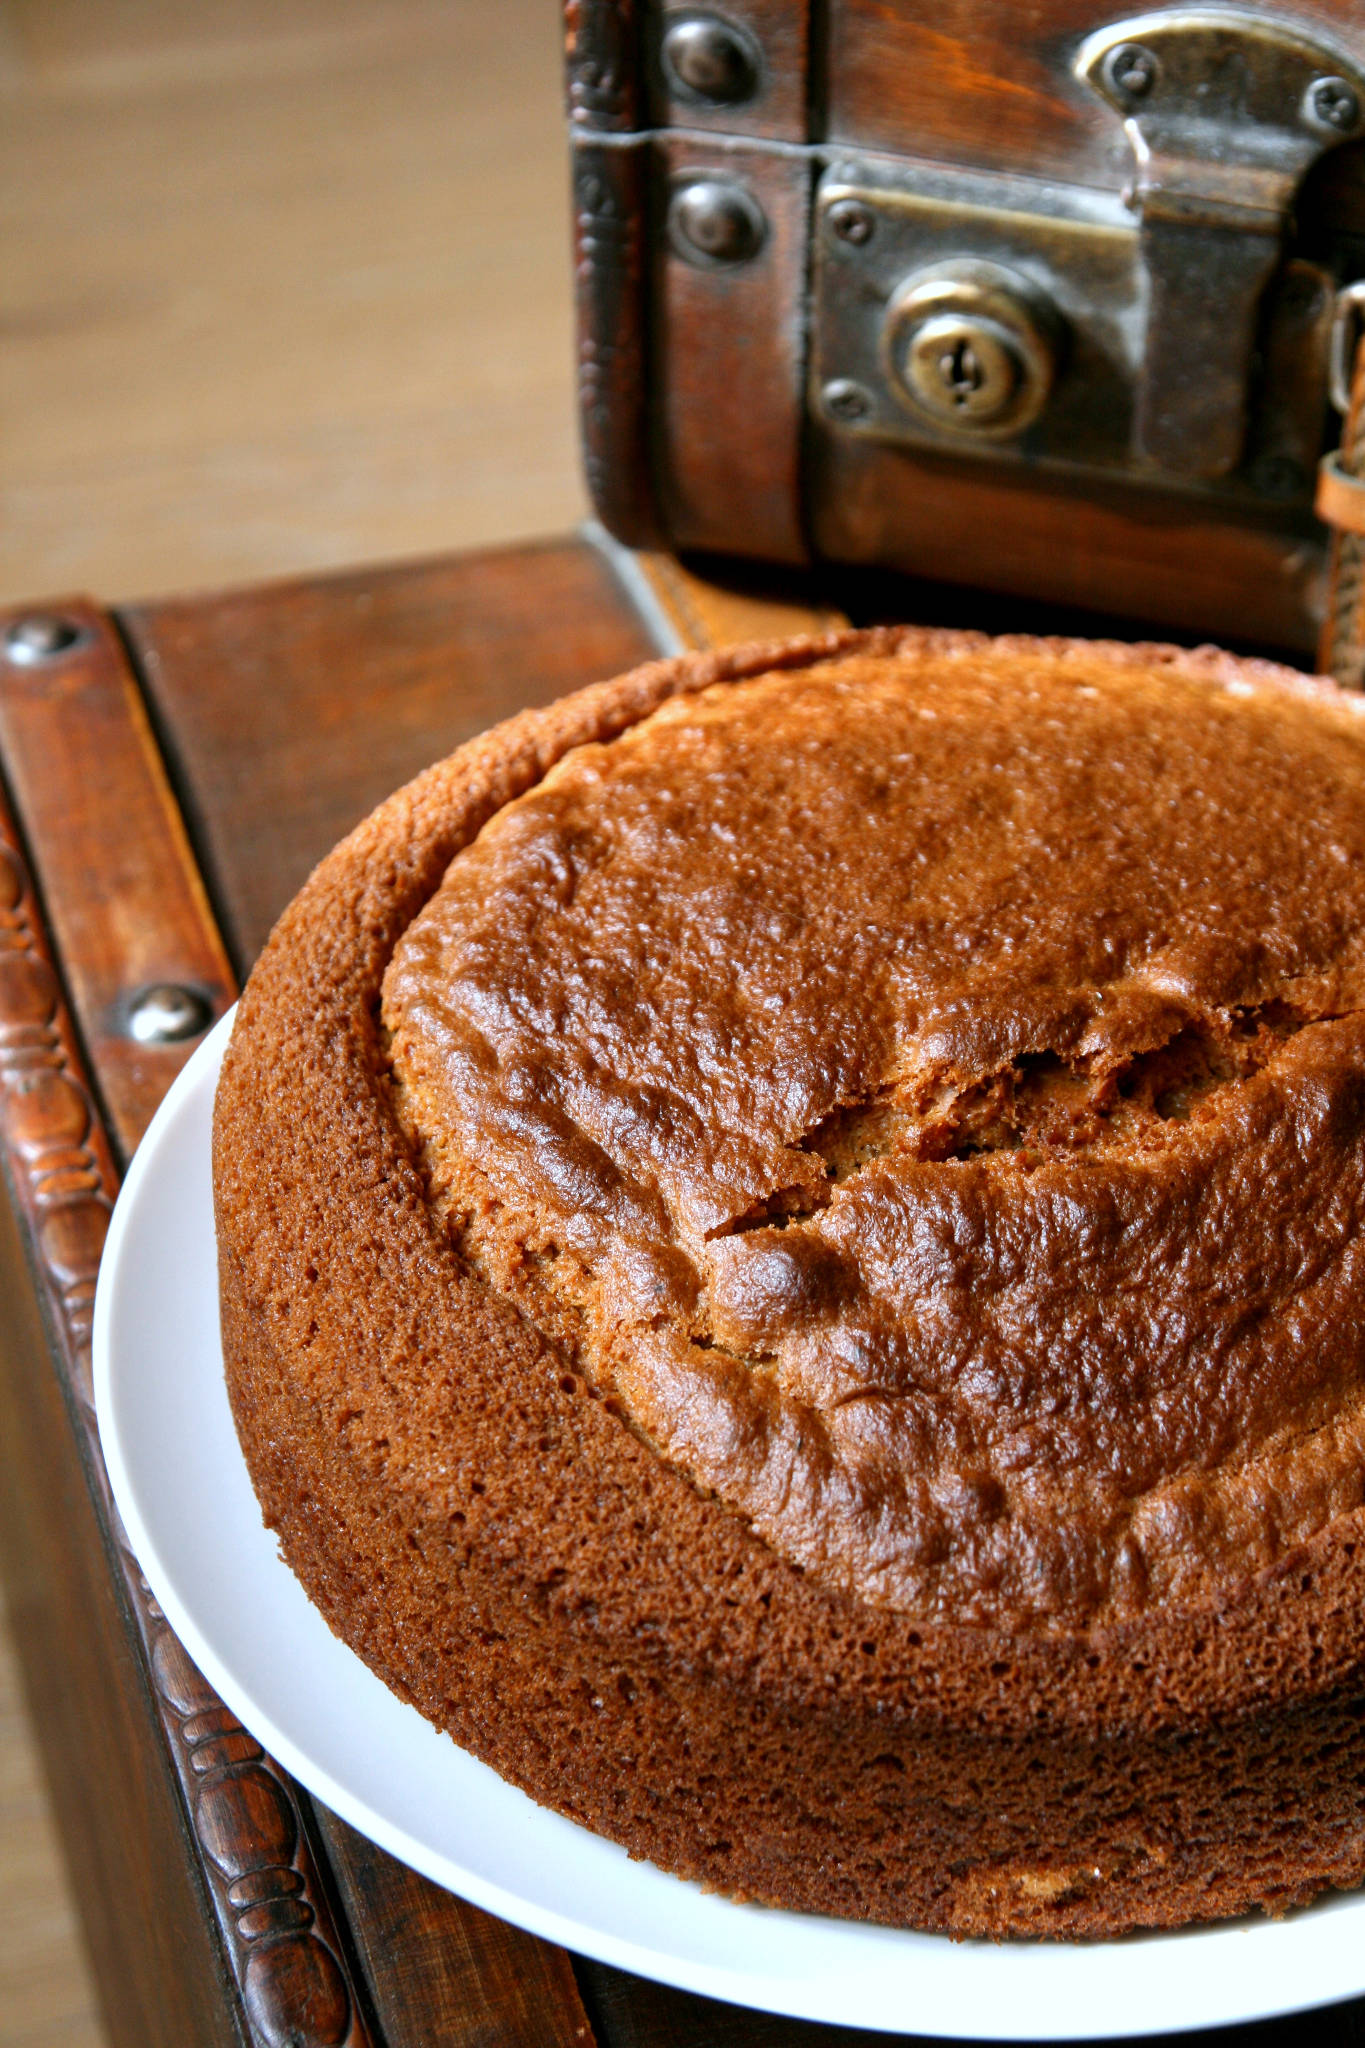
(1045, 1102)
(972, 1237)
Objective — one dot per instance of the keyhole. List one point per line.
(968, 370)
(960, 369)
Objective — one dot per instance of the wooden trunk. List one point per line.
(167, 792)
(746, 248)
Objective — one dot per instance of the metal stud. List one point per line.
(41, 637)
(1332, 103)
(714, 222)
(166, 1013)
(705, 58)
(1131, 70)
(851, 222)
(846, 400)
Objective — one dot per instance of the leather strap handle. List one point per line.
(1341, 496)
(1340, 502)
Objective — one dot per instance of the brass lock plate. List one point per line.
(1063, 339)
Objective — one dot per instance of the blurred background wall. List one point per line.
(284, 284)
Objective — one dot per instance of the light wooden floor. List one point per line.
(286, 284)
(283, 284)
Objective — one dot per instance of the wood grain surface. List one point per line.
(977, 83)
(87, 778)
(441, 1970)
(287, 284)
(202, 1818)
(728, 360)
(352, 685)
(47, 1998)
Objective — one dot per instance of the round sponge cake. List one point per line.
(792, 1271)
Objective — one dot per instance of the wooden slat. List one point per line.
(1197, 571)
(289, 711)
(152, 1941)
(442, 1976)
(611, 301)
(263, 1958)
(126, 906)
(727, 363)
(209, 1809)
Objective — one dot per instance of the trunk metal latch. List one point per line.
(1171, 335)
(1226, 111)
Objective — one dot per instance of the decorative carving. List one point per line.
(601, 70)
(61, 1167)
(247, 1824)
(610, 256)
(250, 1827)
(276, 1926)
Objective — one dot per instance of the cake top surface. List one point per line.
(927, 1095)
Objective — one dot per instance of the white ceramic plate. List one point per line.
(185, 1497)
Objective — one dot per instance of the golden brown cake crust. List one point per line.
(868, 1073)
(1034, 1744)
